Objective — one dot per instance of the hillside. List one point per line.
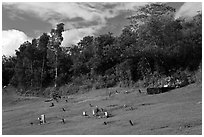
(175, 112)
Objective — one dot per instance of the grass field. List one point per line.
(175, 112)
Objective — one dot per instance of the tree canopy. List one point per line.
(154, 44)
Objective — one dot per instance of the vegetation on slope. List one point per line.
(152, 47)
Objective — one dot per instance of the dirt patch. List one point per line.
(162, 127)
(190, 124)
(131, 108)
(22, 99)
(116, 108)
(146, 104)
(112, 105)
(87, 99)
(111, 123)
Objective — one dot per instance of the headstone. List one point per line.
(131, 123)
(63, 121)
(40, 120)
(90, 105)
(43, 119)
(84, 113)
(106, 114)
(52, 105)
(93, 111)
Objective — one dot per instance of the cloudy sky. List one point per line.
(24, 21)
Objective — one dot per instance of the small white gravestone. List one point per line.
(84, 113)
(106, 114)
(43, 119)
(39, 119)
(93, 112)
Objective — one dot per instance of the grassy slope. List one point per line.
(174, 112)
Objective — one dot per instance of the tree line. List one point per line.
(154, 45)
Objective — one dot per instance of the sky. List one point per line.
(22, 21)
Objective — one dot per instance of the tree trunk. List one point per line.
(56, 70)
(42, 72)
(31, 81)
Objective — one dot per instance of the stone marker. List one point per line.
(43, 119)
(52, 105)
(93, 112)
(131, 123)
(106, 114)
(84, 113)
(131, 108)
(39, 119)
(63, 120)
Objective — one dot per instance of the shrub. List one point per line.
(139, 83)
(49, 91)
(100, 83)
(198, 75)
(110, 81)
(71, 89)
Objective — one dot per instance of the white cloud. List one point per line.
(189, 9)
(59, 11)
(130, 5)
(11, 41)
(55, 12)
(74, 36)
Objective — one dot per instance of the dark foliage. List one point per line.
(153, 46)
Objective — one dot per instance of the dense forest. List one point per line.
(152, 47)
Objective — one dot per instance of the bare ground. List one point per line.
(172, 113)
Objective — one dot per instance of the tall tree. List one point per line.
(54, 45)
(8, 69)
(43, 46)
